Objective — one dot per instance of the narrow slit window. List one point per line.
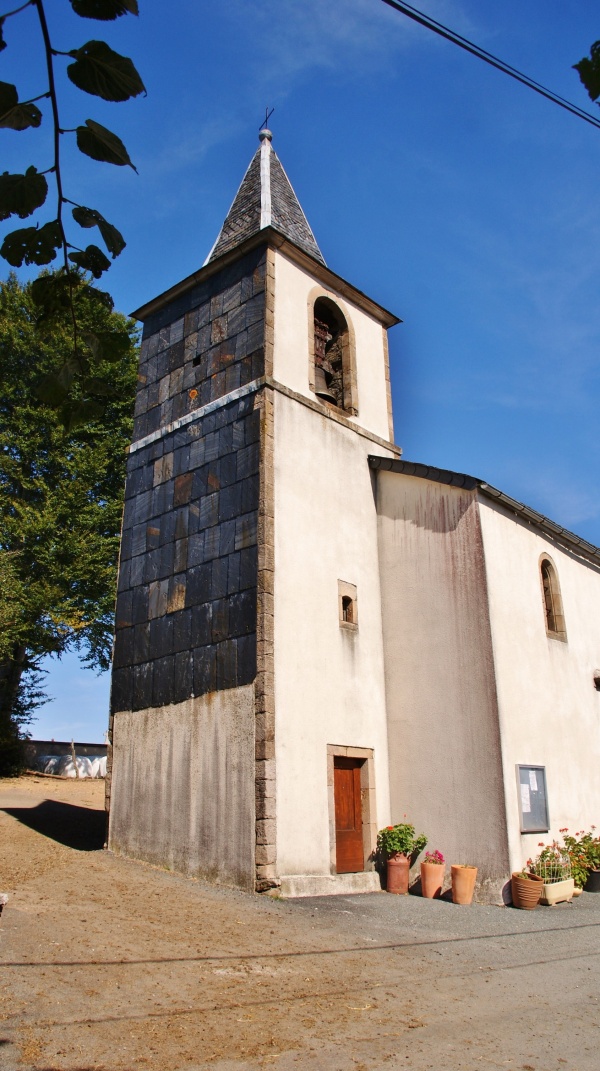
(347, 605)
(347, 610)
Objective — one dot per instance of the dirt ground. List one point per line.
(110, 965)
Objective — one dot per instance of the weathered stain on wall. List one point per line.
(182, 792)
(444, 740)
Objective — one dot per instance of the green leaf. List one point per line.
(48, 289)
(89, 217)
(589, 71)
(101, 297)
(108, 346)
(54, 387)
(75, 414)
(20, 195)
(8, 96)
(91, 259)
(101, 144)
(21, 117)
(52, 294)
(32, 245)
(50, 391)
(13, 115)
(104, 73)
(2, 41)
(99, 387)
(104, 10)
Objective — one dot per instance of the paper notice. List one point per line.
(533, 781)
(525, 799)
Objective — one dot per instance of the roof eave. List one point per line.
(273, 238)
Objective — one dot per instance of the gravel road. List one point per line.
(111, 965)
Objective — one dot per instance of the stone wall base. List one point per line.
(296, 885)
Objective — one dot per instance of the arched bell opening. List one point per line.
(331, 336)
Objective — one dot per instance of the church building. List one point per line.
(315, 638)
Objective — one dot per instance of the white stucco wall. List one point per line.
(444, 741)
(549, 709)
(329, 682)
(291, 355)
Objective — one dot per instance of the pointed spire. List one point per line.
(265, 199)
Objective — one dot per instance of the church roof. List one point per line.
(472, 483)
(265, 199)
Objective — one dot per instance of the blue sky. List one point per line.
(452, 195)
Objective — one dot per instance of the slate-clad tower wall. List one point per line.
(183, 774)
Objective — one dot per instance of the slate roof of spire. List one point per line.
(265, 199)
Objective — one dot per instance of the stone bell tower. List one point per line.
(248, 649)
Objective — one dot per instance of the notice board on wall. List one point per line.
(533, 799)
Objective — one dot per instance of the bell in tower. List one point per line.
(323, 369)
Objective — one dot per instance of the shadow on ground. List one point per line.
(77, 827)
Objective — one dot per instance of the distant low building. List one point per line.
(66, 759)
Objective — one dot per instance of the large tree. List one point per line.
(61, 492)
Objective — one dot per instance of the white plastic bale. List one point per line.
(48, 763)
(98, 766)
(66, 767)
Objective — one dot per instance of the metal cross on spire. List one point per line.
(268, 115)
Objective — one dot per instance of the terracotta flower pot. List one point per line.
(463, 883)
(526, 892)
(398, 867)
(432, 879)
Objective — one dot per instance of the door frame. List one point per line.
(367, 798)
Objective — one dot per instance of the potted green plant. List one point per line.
(553, 866)
(398, 845)
(593, 858)
(584, 852)
(526, 889)
(463, 878)
(432, 875)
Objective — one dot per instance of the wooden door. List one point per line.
(349, 852)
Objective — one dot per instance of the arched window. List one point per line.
(555, 621)
(333, 373)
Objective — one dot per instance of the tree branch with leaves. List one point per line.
(589, 71)
(101, 72)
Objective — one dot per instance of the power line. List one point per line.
(487, 57)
